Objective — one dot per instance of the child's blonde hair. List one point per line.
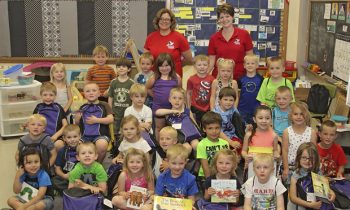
(201, 57)
(169, 130)
(177, 150)
(100, 49)
(130, 119)
(225, 152)
(55, 67)
(146, 166)
(177, 90)
(263, 158)
(304, 110)
(37, 117)
(223, 62)
(48, 87)
(251, 57)
(138, 89)
(91, 83)
(283, 89)
(86, 144)
(313, 155)
(71, 128)
(147, 55)
(275, 59)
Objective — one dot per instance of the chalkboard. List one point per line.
(324, 33)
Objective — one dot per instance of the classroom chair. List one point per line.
(332, 89)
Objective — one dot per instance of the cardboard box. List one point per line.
(301, 94)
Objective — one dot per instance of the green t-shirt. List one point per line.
(90, 175)
(268, 89)
(119, 92)
(206, 149)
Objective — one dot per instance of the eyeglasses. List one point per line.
(303, 158)
(165, 19)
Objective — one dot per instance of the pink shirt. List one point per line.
(139, 181)
(263, 139)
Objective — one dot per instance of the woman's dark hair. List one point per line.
(159, 15)
(259, 108)
(226, 9)
(29, 151)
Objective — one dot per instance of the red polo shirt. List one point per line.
(234, 49)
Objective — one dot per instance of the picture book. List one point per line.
(224, 191)
(166, 203)
(27, 192)
(136, 197)
(321, 187)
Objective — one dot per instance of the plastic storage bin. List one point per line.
(18, 111)
(13, 127)
(13, 72)
(20, 93)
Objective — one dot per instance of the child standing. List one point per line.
(136, 172)
(101, 73)
(249, 85)
(58, 77)
(53, 112)
(207, 147)
(118, 94)
(199, 88)
(159, 86)
(93, 119)
(131, 135)
(146, 64)
(268, 88)
(296, 134)
(263, 191)
(177, 182)
(30, 171)
(307, 160)
(88, 173)
(181, 119)
(224, 79)
(332, 157)
(280, 112)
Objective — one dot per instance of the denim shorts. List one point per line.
(47, 200)
(93, 139)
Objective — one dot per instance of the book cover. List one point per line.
(136, 197)
(224, 191)
(166, 203)
(27, 192)
(321, 187)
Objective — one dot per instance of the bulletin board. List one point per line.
(197, 20)
(329, 37)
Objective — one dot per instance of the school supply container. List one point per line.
(13, 72)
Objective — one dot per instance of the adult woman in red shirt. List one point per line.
(166, 40)
(230, 42)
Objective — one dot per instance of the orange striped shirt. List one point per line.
(102, 75)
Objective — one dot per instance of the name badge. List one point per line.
(177, 126)
(69, 166)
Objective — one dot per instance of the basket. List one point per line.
(26, 79)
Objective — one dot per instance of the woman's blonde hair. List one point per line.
(130, 119)
(304, 110)
(55, 67)
(224, 152)
(146, 163)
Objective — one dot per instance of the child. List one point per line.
(88, 173)
(101, 73)
(136, 172)
(223, 166)
(263, 191)
(296, 134)
(262, 134)
(58, 77)
(249, 85)
(36, 137)
(93, 119)
(30, 171)
(199, 88)
(207, 147)
(226, 109)
(53, 112)
(280, 112)
(268, 88)
(159, 86)
(177, 182)
(167, 137)
(332, 157)
(181, 119)
(225, 67)
(118, 94)
(66, 158)
(307, 160)
(146, 63)
(131, 135)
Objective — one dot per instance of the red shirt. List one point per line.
(235, 49)
(201, 90)
(174, 44)
(331, 159)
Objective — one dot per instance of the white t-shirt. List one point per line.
(141, 144)
(264, 196)
(145, 115)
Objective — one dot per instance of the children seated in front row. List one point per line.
(93, 119)
(332, 157)
(36, 137)
(207, 147)
(88, 174)
(136, 172)
(181, 119)
(264, 190)
(53, 112)
(30, 170)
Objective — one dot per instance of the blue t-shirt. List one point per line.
(40, 179)
(280, 120)
(180, 187)
(227, 127)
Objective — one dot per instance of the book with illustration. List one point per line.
(224, 191)
(136, 197)
(321, 187)
(166, 203)
(27, 192)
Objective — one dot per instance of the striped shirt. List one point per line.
(102, 75)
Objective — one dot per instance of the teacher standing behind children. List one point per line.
(166, 40)
(230, 42)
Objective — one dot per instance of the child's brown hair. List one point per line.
(275, 59)
(71, 128)
(328, 123)
(313, 155)
(48, 87)
(146, 166)
(304, 110)
(123, 62)
(226, 92)
(211, 118)
(201, 57)
(132, 119)
(100, 49)
(86, 144)
(227, 152)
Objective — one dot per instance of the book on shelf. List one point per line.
(321, 187)
(224, 189)
(136, 197)
(167, 203)
(27, 192)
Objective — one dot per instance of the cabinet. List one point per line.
(17, 103)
